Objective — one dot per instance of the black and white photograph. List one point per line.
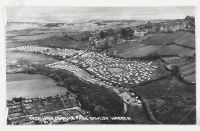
(100, 65)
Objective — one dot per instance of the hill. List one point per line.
(163, 44)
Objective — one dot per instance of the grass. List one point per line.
(187, 39)
(60, 42)
(182, 51)
(140, 52)
(156, 50)
(187, 71)
(125, 47)
(181, 37)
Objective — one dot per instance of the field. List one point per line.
(53, 41)
(30, 86)
(162, 44)
(98, 79)
(186, 67)
(169, 99)
(187, 71)
(181, 37)
(140, 52)
(145, 51)
(181, 51)
(125, 47)
(175, 50)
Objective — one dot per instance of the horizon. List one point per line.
(85, 14)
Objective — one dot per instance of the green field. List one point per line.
(29, 86)
(182, 51)
(143, 51)
(188, 71)
(155, 50)
(52, 41)
(161, 44)
(186, 66)
(181, 37)
(125, 47)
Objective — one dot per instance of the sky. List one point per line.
(81, 14)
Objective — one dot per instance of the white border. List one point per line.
(116, 3)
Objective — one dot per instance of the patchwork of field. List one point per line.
(33, 37)
(169, 97)
(181, 51)
(142, 51)
(125, 47)
(185, 65)
(170, 100)
(53, 41)
(163, 44)
(30, 86)
(181, 37)
(188, 71)
(175, 50)
(52, 106)
(175, 60)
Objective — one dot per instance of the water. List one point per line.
(30, 86)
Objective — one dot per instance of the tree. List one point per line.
(126, 33)
(100, 111)
(69, 81)
(102, 35)
(190, 22)
(148, 25)
(110, 32)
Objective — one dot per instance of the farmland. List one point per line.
(169, 99)
(187, 71)
(185, 65)
(113, 81)
(163, 44)
(140, 52)
(181, 37)
(145, 51)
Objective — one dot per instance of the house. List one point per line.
(139, 34)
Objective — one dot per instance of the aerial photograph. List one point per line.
(100, 65)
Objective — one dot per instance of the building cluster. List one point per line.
(138, 34)
(22, 112)
(64, 53)
(113, 73)
(123, 92)
(172, 28)
(114, 70)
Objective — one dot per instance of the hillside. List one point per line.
(163, 44)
